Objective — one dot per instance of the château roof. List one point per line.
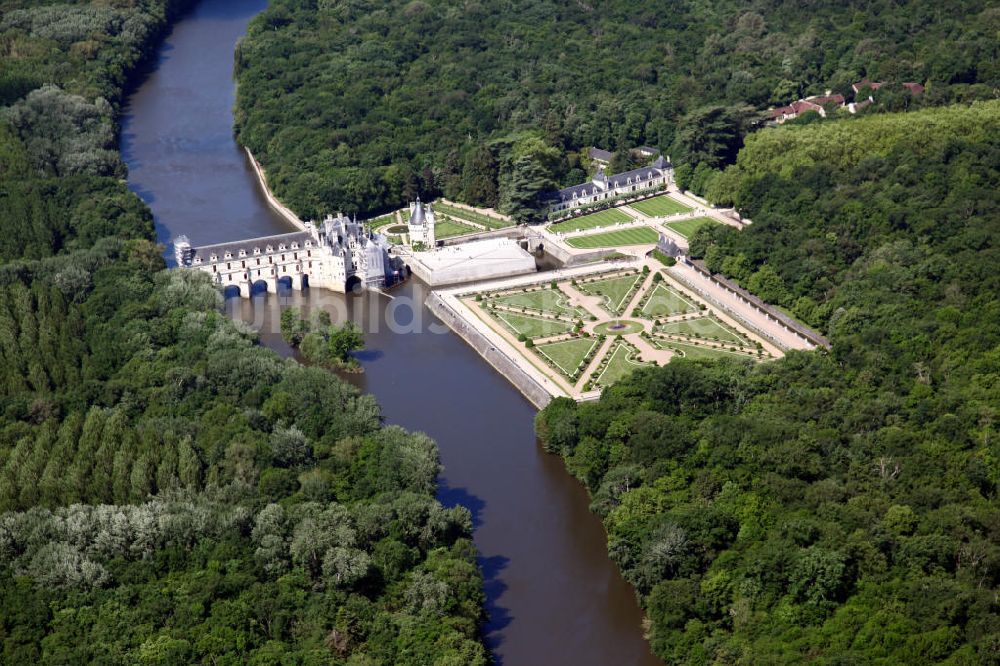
(417, 216)
(234, 248)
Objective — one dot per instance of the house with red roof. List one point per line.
(817, 103)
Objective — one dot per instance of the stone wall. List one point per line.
(503, 364)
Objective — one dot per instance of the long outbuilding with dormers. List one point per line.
(602, 187)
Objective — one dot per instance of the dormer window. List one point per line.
(281, 247)
(214, 257)
(229, 255)
(243, 253)
(256, 250)
(295, 246)
(270, 248)
(309, 243)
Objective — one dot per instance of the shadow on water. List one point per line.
(498, 617)
(450, 497)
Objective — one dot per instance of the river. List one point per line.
(554, 597)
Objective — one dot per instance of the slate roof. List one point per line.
(205, 252)
(637, 176)
(417, 216)
(599, 154)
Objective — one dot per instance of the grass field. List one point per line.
(633, 236)
(599, 219)
(704, 327)
(687, 227)
(666, 302)
(660, 206)
(382, 221)
(533, 327)
(615, 291)
(694, 351)
(552, 301)
(568, 354)
(622, 362)
(447, 228)
(460, 214)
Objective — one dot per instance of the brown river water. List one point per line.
(553, 596)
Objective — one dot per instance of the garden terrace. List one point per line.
(620, 238)
(686, 228)
(660, 206)
(476, 218)
(604, 218)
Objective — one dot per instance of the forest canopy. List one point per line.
(170, 491)
(834, 507)
(359, 106)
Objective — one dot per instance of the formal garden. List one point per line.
(447, 227)
(666, 301)
(707, 328)
(570, 356)
(620, 360)
(592, 330)
(542, 299)
(616, 292)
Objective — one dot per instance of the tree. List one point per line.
(479, 178)
(711, 135)
(524, 195)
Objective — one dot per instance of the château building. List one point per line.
(421, 224)
(339, 254)
(602, 187)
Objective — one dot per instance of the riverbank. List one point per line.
(272, 201)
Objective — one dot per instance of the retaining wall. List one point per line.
(272, 201)
(503, 364)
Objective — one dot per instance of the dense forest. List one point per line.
(359, 105)
(171, 492)
(834, 507)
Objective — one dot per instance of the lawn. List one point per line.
(532, 327)
(623, 360)
(616, 291)
(633, 236)
(660, 206)
(602, 218)
(695, 351)
(382, 221)
(551, 301)
(568, 354)
(464, 215)
(704, 327)
(447, 228)
(666, 302)
(687, 227)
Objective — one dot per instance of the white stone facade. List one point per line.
(336, 255)
(659, 174)
(421, 224)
